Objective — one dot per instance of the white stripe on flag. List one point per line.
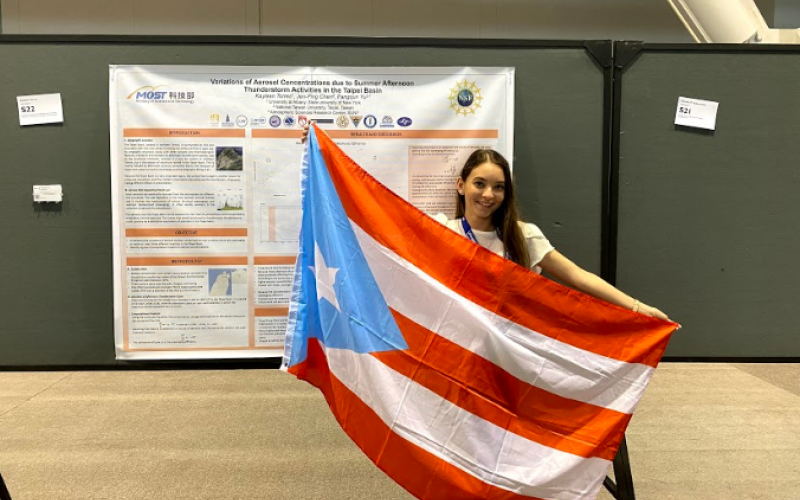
(536, 359)
(476, 446)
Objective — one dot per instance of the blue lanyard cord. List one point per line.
(469, 233)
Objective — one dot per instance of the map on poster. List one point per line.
(205, 169)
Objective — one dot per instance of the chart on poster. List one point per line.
(205, 169)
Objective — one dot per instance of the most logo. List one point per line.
(149, 93)
(154, 94)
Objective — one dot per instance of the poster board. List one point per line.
(205, 169)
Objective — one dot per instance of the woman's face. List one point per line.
(484, 191)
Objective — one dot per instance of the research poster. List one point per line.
(205, 169)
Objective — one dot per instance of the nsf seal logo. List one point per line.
(288, 121)
(465, 98)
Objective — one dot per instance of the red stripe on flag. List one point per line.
(484, 389)
(485, 278)
(423, 474)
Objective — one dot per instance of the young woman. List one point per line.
(486, 213)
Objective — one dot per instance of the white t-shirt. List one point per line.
(538, 245)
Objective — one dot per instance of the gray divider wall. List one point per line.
(56, 302)
(708, 221)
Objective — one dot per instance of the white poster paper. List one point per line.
(205, 170)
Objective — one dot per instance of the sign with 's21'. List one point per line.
(696, 113)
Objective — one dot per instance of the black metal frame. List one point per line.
(623, 488)
(717, 48)
(618, 58)
(296, 41)
(4, 494)
(624, 54)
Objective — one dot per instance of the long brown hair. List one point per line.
(506, 217)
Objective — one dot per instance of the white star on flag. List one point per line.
(326, 277)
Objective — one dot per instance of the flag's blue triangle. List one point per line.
(335, 298)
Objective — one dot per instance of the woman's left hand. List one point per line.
(652, 311)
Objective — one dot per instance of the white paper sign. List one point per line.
(40, 109)
(696, 113)
(51, 193)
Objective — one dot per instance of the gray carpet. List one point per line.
(703, 431)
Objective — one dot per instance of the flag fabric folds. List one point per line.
(460, 374)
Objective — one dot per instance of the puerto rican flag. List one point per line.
(460, 374)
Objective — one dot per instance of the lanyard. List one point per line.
(469, 233)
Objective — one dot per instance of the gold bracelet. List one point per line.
(636, 305)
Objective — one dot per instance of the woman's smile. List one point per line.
(484, 192)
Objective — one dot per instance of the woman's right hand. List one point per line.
(305, 133)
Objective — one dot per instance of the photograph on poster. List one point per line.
(229, 158)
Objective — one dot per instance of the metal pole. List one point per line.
(623, 488)
(623, 54)
(4, 494)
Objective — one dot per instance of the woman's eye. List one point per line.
(478, 184)
(500, 187)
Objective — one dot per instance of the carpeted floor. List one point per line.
(703, 431)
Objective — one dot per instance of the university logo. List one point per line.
(356, 120)
(370, 121)
(274, 121)
(342, 121)
(465, 98)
